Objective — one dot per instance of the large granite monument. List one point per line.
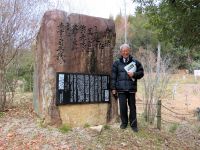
(73, 44)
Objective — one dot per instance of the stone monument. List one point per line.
(71, 43)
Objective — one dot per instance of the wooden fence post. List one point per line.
(159, 114)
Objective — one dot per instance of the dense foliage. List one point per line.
(177, 20)
(173, 23)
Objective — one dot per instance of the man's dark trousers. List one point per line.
(123, 97)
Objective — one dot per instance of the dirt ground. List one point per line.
(21, 129)
(182, 98)
(185, 98)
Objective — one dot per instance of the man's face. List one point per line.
(125, 52)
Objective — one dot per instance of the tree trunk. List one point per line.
(113, 110)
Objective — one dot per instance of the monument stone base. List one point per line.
(80, 115)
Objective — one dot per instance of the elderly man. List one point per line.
(124, 83)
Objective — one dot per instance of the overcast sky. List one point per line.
(98, 8)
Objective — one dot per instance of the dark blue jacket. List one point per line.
(120, 80)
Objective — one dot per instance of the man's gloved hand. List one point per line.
(114, 92)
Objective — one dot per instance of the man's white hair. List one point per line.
(124, 46)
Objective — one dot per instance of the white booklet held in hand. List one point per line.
(131, 67)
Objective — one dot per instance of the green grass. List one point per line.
(41, 123)
(2, 114)
(87, 125)
(198, 129)
(145, 134)
(173, 127)
(106, 127)
(65, 128)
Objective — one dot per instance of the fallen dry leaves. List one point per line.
(19, 130)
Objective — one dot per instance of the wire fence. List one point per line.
(174, 111)
(168, 115)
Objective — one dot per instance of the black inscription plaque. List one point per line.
(76, 88)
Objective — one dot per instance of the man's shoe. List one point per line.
(122, 126)
(134, 129)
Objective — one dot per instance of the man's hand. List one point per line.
(114, 92)
(130, 74)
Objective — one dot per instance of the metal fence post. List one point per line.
(159, 114)
(198, 113)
